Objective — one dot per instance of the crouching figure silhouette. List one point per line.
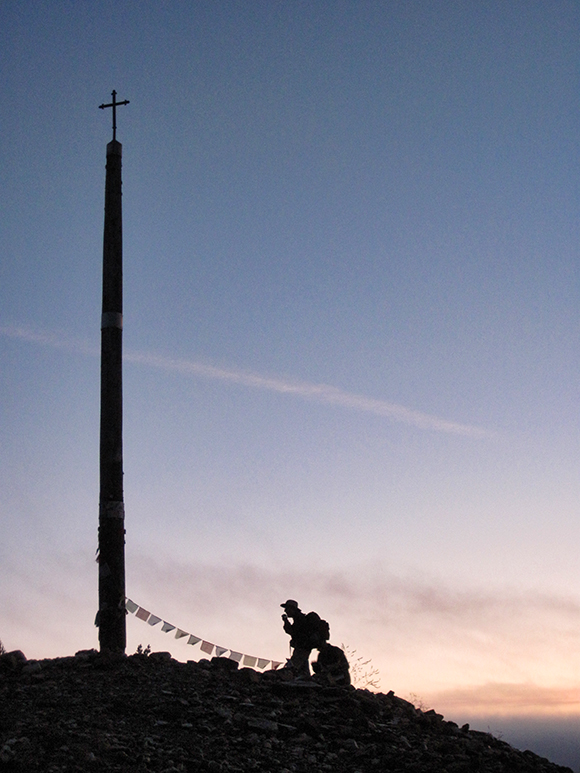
(307, 632)
(332, 667)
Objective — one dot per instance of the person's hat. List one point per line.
(290, 603)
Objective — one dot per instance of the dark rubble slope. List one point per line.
(151, 713)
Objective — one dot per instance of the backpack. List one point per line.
(319, 628)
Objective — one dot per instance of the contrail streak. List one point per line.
(54, 340)
(323, 393)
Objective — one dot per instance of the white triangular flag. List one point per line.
(166, 627)
(179, 634)
(262, 663)
(193, 639)
(237, 656)
(219, 651)
(153, 620)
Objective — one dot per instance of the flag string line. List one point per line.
(205, 646)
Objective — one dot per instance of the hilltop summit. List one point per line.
(152, 714)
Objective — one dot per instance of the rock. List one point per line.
(156, 715)
(12, 660)
(31, 668)
(224, 664)
(85, 655)
(161, 657)
(263, 724)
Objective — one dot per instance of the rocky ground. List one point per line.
(151, 713)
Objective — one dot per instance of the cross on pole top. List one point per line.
(114, 105)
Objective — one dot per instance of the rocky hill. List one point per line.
(151, 713)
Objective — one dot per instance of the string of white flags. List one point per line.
(205, 646)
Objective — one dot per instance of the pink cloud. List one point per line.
(507, 698)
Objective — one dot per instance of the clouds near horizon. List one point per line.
(443, 635)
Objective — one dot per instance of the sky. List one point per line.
(351, 374)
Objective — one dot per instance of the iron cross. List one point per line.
(114, 104)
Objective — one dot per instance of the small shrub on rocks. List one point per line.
(363, 675)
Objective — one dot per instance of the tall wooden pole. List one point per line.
(111, 616)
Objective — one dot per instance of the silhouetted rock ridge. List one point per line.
(153, 714)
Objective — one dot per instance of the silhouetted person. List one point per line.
(331, 667)
(307, 632)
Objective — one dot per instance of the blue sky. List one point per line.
(351, 236)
